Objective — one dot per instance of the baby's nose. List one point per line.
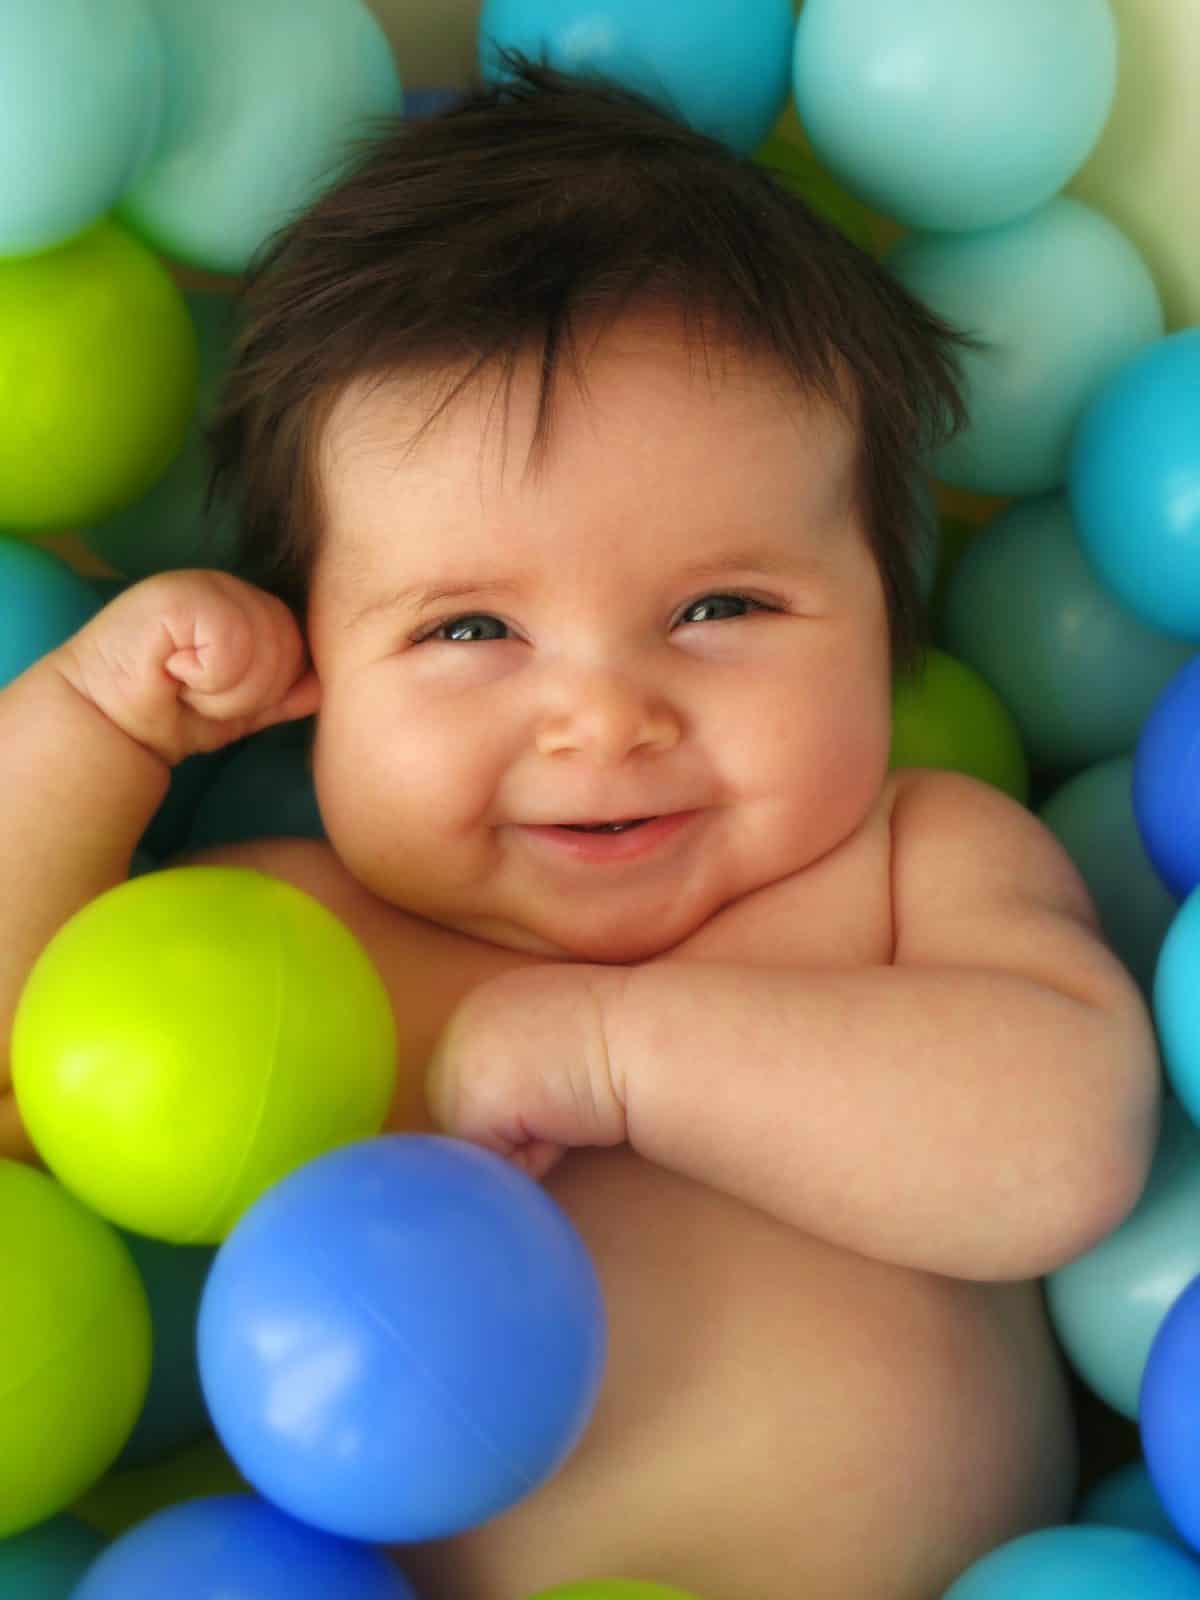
(607, 715)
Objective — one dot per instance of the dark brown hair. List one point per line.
(455, 241)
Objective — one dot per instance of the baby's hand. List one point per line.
(190, 661)
(521, 1067)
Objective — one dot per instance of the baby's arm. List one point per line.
(181, 663)
(984, 1107)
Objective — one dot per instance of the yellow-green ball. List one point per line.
(74, 1347)
(98, 374)
(948, 716)
(190, 1037)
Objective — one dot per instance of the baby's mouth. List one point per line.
(605, 827)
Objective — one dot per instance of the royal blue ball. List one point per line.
(401, 1339)
(234, 1547)
(1169, 1413)
(1134, 483)
(1166, 796)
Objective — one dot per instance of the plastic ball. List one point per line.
(1134, 483)
(80, 92)
(402, 1339)
(173, 1414)
(263, 106)
(1176, 1012)
(1081, 1564)
(947, 716)
(1092, 816)
(1164, 782)
(74, 1347)
(1169, 1413)
(1128, 1499)
(235, 1546)
(43, 602)
(1108, 1304)
(190, 1036)
(1060, 300)
(1138, 174)
(612, 1589)
(172, 525)
(125, 1497)
(719, 65)
(46, 1562)
(265, 790)
(98, 380)
(1079, 672)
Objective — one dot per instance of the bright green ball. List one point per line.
(192, 1036)
(947, 716)
(74, 1347)
(613, 1589)
(97, 379)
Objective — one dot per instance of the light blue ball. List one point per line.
(1177, 1003)
(1081, 1563)
(1127, 1498)
(46, 1562)
(1108, 1304)
(401, 1339)
(1134, 482)
(263, 100)
(80, 95)
(1077, 669)
(237, 1547)
(951, 115)
(719, 65)
(171, 525)
(1092, 816)
(1060, 300)
(43, 602)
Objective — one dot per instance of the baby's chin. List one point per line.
(624, 943)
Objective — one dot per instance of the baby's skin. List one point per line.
(828, 1065)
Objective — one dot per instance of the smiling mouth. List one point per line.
(605, 827)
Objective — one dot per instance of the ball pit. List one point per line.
(1075, 392)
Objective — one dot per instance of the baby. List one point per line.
(586, 454)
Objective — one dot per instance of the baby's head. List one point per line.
(590, 456)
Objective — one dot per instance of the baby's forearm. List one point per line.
(971, 1123)
(76, 797)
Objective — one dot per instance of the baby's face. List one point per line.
(675, 615)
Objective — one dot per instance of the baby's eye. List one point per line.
(466, 629)
(712, 607)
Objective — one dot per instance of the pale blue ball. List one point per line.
(954, 114)
(263, 102)
(719, 65)
(1060, 301)
(80, 95)
(1134, 482)
(1109, 1303)
(1092, 816)
(1077, 669)
(1177, 1003)
(1077, 1563)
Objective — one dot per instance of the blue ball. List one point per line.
(237, 1546)
(1169, 1413)
(401, 1339)
(1165, 797)
(1081, 1563)
(719, 65)
(43, 602)
(46, 1562)
(1177, 1004)
(1134, 483)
